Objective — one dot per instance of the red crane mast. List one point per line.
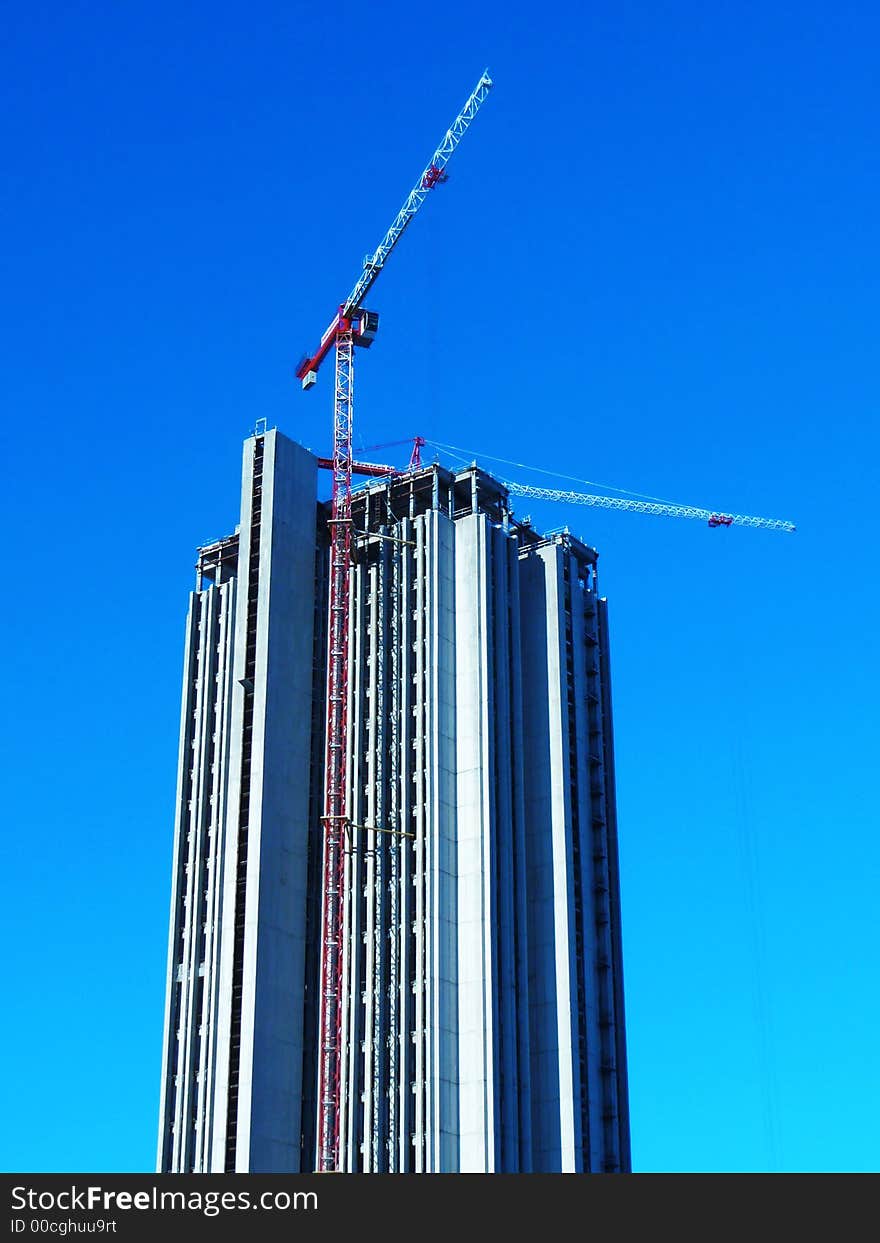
(352, 325)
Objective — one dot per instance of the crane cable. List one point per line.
(645, 503)
(553, 474)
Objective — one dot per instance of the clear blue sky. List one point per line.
(655, 265)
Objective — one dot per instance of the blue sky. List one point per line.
(655, 265)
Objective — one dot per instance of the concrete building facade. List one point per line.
(483, 1027)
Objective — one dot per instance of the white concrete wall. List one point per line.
(270, 1076)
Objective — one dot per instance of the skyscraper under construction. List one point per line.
(483, 1021)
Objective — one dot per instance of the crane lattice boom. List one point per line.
(351, 317)
(433, 174)
(660, 508)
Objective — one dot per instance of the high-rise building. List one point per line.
(483, 1024)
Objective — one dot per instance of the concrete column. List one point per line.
(270, 1075)
(475, 746)
(442, 1017)
(552, 1001)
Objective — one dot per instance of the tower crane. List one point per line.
(351, 326)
